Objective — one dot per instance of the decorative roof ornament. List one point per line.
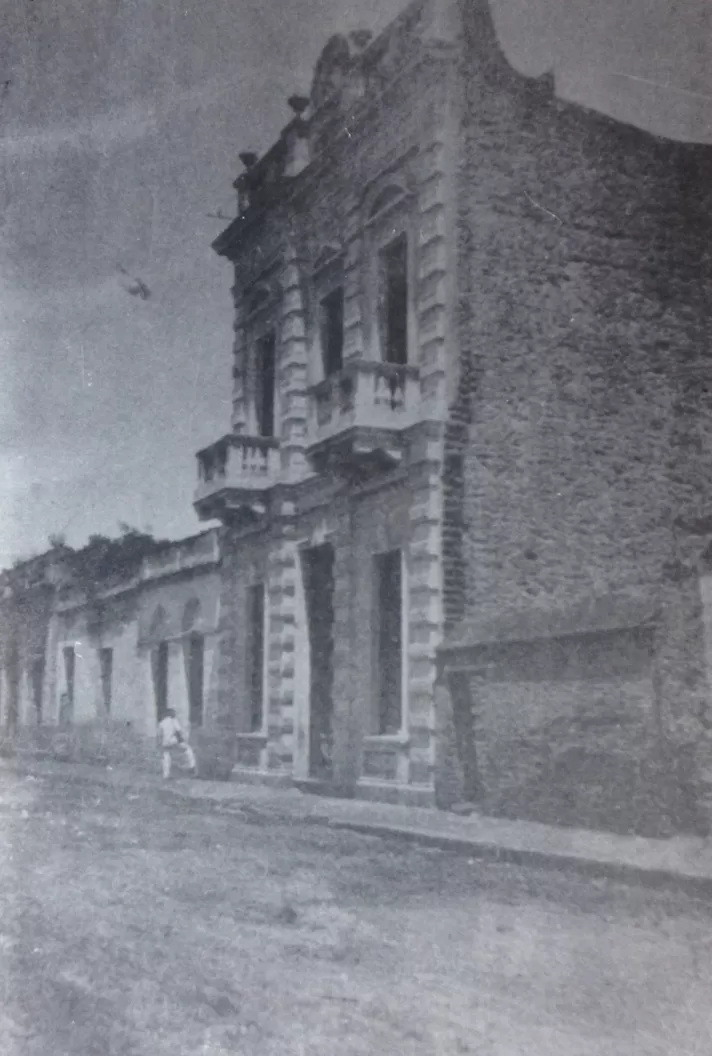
(298, 103)
(360, 38)
(442, 21)
(331, 71)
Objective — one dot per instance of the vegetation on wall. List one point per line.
(103, 561)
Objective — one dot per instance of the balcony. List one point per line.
(356, 417)
(234, 476)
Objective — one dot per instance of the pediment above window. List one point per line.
(259, 298)
(328, 256)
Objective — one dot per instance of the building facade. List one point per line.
(329, 485)
(471, 330)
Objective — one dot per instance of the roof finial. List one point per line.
(443, 21)
(298, 103)
(361, 38)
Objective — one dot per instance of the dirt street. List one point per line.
(137, 924)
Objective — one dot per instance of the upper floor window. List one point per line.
(331, 328)
(393, 276)
(265, 384)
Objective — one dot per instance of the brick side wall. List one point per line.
(567, 734)
(585, 285)
(589, 290)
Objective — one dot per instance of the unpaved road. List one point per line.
(142, 926)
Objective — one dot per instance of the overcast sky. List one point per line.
(120, 126)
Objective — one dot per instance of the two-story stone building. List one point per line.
(471, 323)
(329, 484)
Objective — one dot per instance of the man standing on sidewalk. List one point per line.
(173, 741)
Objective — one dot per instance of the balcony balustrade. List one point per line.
(234, 475)
(356, 417)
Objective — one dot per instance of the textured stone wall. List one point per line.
(567, 733)
(584, 409)
(589, 288)
(244, 562)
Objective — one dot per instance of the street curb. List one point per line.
(624, 872)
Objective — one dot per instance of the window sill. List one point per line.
(386, 741)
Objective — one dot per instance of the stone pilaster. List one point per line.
(353, 293)
(346, 750)
(282, 576)
(424, 602)
(434, 278)
(239, 380)
(292, 377)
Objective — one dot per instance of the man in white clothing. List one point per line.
(173, 741)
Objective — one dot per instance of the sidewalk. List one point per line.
(681, 862)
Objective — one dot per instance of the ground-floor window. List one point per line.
(196, 666)
(38, 686)
(12, 706)
(106, 668)
(255, 658)
(66, 710)
(159, 660)
(388, 641)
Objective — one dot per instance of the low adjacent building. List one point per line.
(85, 648)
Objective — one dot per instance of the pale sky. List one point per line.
(121, 122)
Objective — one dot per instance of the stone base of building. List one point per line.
(374, 791)
(405, 795)
(245, 775)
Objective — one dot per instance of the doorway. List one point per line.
(318, 569)
(255, 657)
(387, 627)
